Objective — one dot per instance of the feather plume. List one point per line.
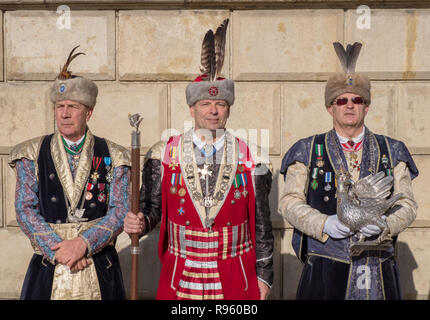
(208, 61)
(64, 72)
(220, 40)
(348, 58)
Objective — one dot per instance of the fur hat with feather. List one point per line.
(210, 85)
(74, 88)
(348, 81)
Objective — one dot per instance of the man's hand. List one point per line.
(81, 264)
(264, 290)
(134, 223)
(68, 252)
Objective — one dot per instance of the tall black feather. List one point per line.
(348, 58)
(208, 59)
(220, 40)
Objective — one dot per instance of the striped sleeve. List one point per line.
(27, 209)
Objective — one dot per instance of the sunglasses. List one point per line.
(344, 101)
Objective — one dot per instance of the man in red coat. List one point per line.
(211, 194)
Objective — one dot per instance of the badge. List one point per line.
(102, 197)
(62, 88)
(182, 192)
(109, 177)
(213, 91)
(88, 196)
(94, 177)
(173, 164)
(181, 211)
(245, 193)
(320, 162)
(240, 168)
(314, 184)
(384, 159)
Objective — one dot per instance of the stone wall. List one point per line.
(143, 53)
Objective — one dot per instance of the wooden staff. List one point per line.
(135, 179)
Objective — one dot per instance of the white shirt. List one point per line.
(355, 140)
(219, 143)
(70, 143)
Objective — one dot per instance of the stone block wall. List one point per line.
(142, 54)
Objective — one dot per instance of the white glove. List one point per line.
(371, 229)
(336, 229)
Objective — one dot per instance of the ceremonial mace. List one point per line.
(135, 121)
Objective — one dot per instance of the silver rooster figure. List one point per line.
(364, 203)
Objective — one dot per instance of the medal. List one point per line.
(182, 192)
(173, 189)
(172, 154)
(327, 180)
(208, 202)
(181, 211)
(236, 184)
(75, 161)
(96, 163)
(89, 195)
(314, 183)
(244, 181)
(108, 162)
(240, 168)
(319, 151)
(237, 194)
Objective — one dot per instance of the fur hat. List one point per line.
(209, 85)
(70, 87)
(349, 81)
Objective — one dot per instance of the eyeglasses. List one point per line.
(344, 101)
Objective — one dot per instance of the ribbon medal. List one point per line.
(172, 154)
(314, 183)
(236, 184)
(182, 191)
(244, 181)
(327, 180)
(109, 175)
(102, 194)
(96, 164)
(173, 179)
(319, 150)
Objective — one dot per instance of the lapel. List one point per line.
(72, 188)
